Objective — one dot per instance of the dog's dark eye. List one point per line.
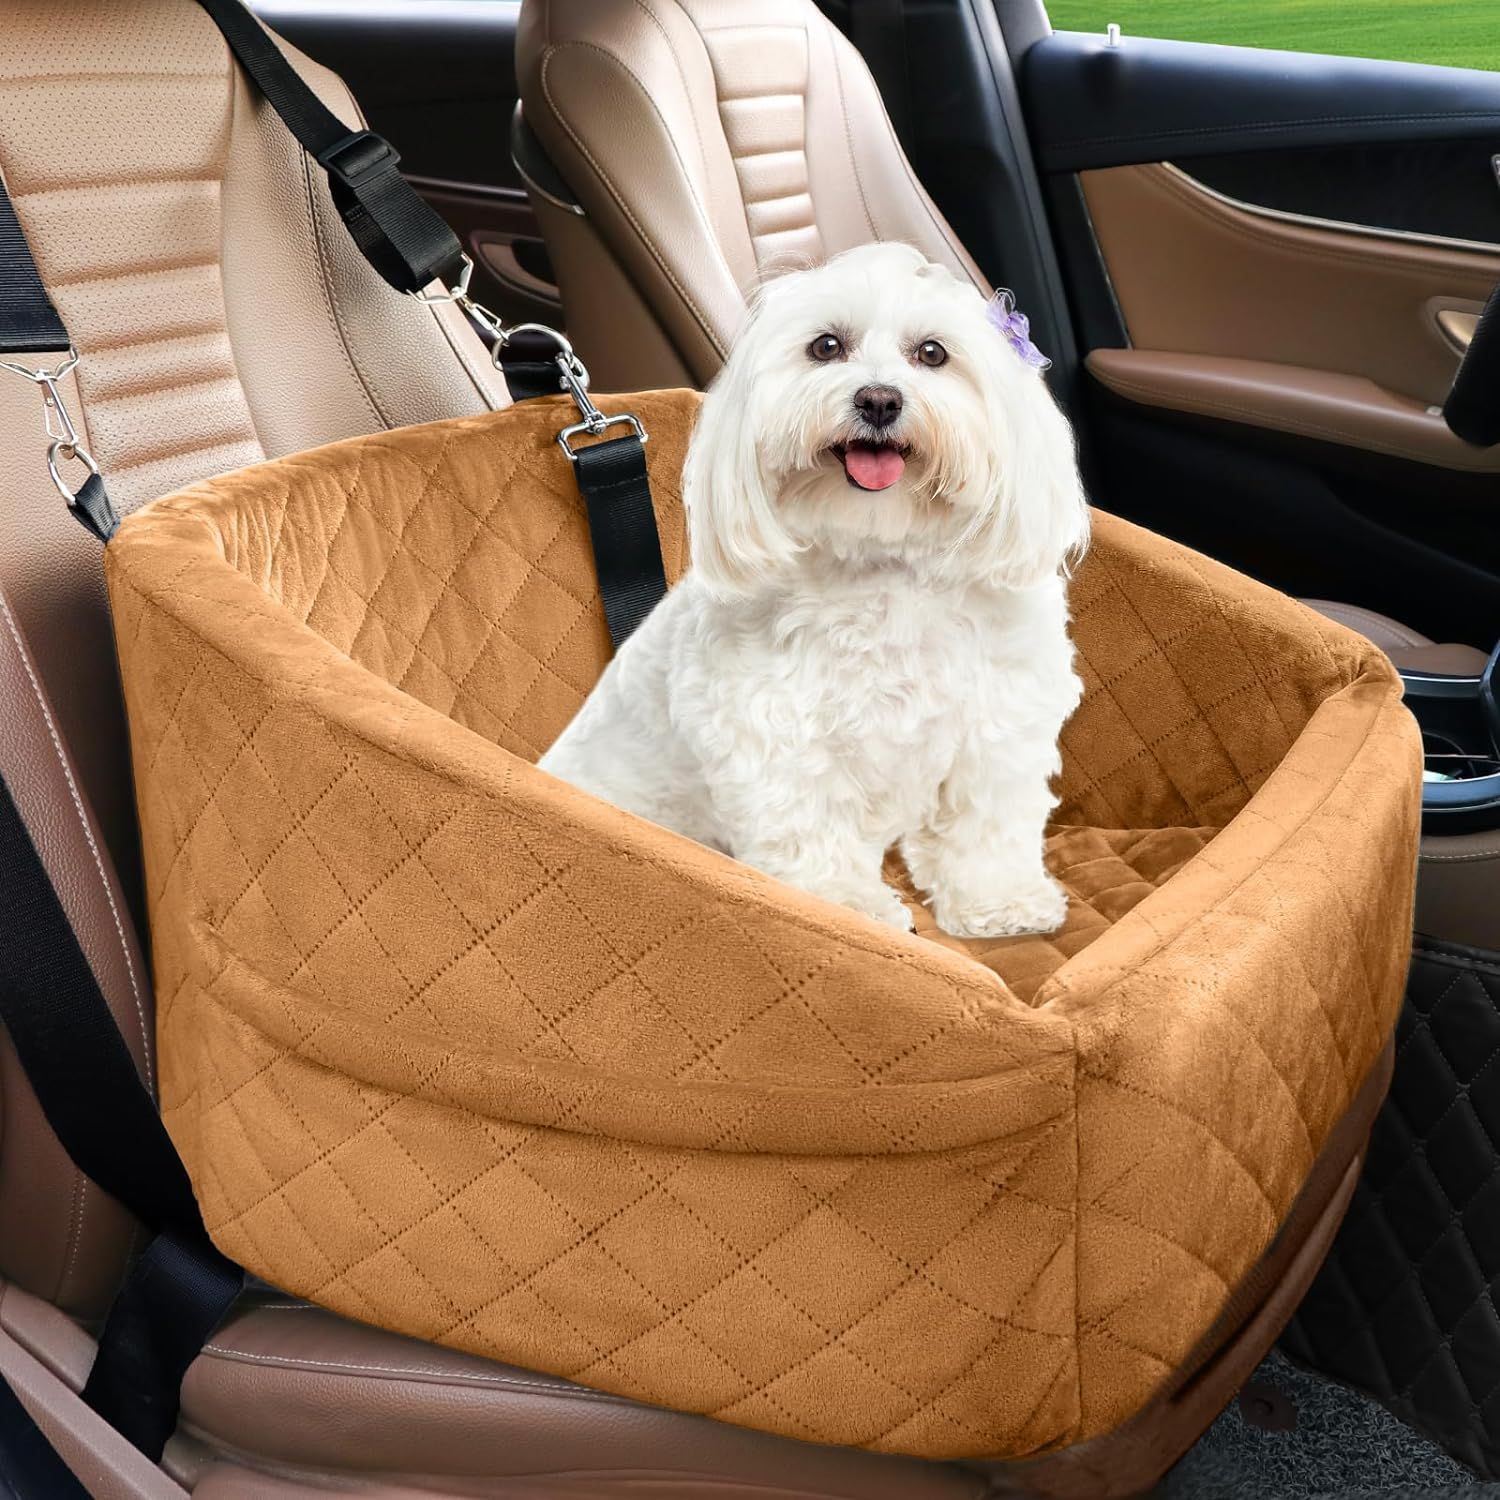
(826, 346)
(932, 353)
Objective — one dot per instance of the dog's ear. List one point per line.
(1040, 526)
(734, 533)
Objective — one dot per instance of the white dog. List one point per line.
(870, 646)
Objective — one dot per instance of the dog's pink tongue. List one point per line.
(871, 467)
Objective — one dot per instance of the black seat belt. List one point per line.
(410, 245)
(86, 1082)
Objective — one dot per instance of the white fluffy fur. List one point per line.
(839, 670)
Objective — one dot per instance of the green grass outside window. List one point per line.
(1459, 33)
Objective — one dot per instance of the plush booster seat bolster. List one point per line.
(450, 1047)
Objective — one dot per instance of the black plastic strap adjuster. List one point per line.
(358, 157)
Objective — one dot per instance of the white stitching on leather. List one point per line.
(75, 1231)
(330, 303)
(838, 74)
(475, 1377)
(469, 369)
(109, 896)
(656, 21)
(620, 201)
(939, 226)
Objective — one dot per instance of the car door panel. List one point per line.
(1197, 274)
(1090, 104)
(1268, 334)
(1445, 188)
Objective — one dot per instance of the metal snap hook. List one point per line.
(573, 376)
(59, 453)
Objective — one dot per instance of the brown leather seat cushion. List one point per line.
(308, 1392)
(1409, 649)
(449, 1046)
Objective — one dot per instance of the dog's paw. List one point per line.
(1007, 909)
(884, 905)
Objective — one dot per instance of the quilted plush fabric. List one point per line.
(450, 1047)
(1405, 1306)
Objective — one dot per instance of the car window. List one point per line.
(1458, 33)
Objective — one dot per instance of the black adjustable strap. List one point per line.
(401, 235)
(409, 245)
(30, 1467)
(86, 1083)
(622, 527)
(177, 1293)
(29, 323)
(528, 378)
(93, 509)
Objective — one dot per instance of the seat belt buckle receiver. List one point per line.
(358, 157)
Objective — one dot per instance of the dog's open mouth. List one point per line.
(871, 466)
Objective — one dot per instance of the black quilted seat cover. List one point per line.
(1405, 1306)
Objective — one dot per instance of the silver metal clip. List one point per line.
(459, 293)
(572, 377)
(575, 381)
(65, 444)
(60, 453)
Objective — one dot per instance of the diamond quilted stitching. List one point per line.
(450, 563)
(833, 1273)
(1106, 872)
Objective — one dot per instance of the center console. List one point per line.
(1460, 719)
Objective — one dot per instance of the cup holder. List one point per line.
(1446, 760)
(1460, 719)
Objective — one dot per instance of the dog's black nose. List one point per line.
(879, 405)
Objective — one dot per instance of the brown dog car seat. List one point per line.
(450, 1047)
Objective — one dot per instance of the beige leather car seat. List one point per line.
(708, 144)
(224, 316)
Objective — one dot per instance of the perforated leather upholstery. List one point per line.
(711, 143)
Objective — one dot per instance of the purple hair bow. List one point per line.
(1016, 329)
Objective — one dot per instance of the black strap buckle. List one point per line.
(358, 157)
